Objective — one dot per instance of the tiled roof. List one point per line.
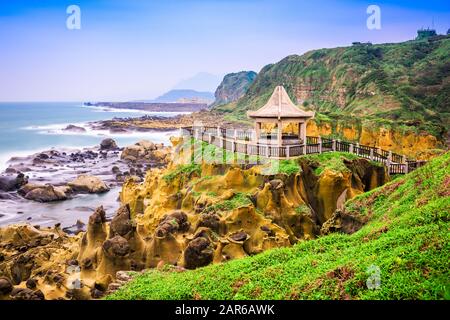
(280, 106)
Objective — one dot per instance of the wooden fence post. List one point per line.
(333, 145)
(288, 152)
(389, 159)
(371, 154)
(351, 148)
(319, 140)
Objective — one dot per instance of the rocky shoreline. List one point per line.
(181, 216)
(157, 123)
(53, 176)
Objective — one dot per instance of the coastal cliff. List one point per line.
(399, 253)
(381, 91)
(188, 215)
(233, 87)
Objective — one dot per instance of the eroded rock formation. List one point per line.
(202, 214)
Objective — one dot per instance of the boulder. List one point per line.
(344, 222)
(89, 184)
(174, 222)
(132, 153)
(198, 253)
(6, 286)
(74, 128)
(108, 144)
(11, 182)
(145, 150)
(31, 284)
(116, 247)
(121, 224)
(26, 294)
(29, 187)
(46, 194)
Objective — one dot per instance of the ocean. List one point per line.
(26, 128)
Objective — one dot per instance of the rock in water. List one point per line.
(12, 183)
(74, 128)
(146, 150)
(89, 184)
(46, 194)
(108, 144)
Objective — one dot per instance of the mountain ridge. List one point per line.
(233, 87)
(406, 83)
(177, 95)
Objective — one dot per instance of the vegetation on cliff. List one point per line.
(233, 87)
(406, 237)
(385, 85)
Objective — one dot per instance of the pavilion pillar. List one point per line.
(257, 131)
(302, 131)
(279, 133)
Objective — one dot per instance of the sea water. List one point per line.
(26, 128)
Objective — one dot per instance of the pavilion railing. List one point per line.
(242, 141)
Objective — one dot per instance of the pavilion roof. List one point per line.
(280, 106)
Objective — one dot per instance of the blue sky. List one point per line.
(134, 49)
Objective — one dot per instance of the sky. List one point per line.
(135, 49)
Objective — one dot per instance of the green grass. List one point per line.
(183, 170)
(289, 167)
(330, 160)
(407, 238)
(302, 209)
(238, 200)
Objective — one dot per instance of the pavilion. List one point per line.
(280, 111)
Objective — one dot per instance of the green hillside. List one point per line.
(407, 83)
(407, 237)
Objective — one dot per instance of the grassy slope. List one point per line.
(407, 237)
(383, 83)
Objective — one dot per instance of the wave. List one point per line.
(5, 157)
(124, 110)
(55, 126)
(122, 139)
(59, 129)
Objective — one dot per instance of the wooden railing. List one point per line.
(241, 141)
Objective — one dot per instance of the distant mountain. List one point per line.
(233, 87)
(186, 96)
(202, 81)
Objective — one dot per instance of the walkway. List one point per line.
(242, 141)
